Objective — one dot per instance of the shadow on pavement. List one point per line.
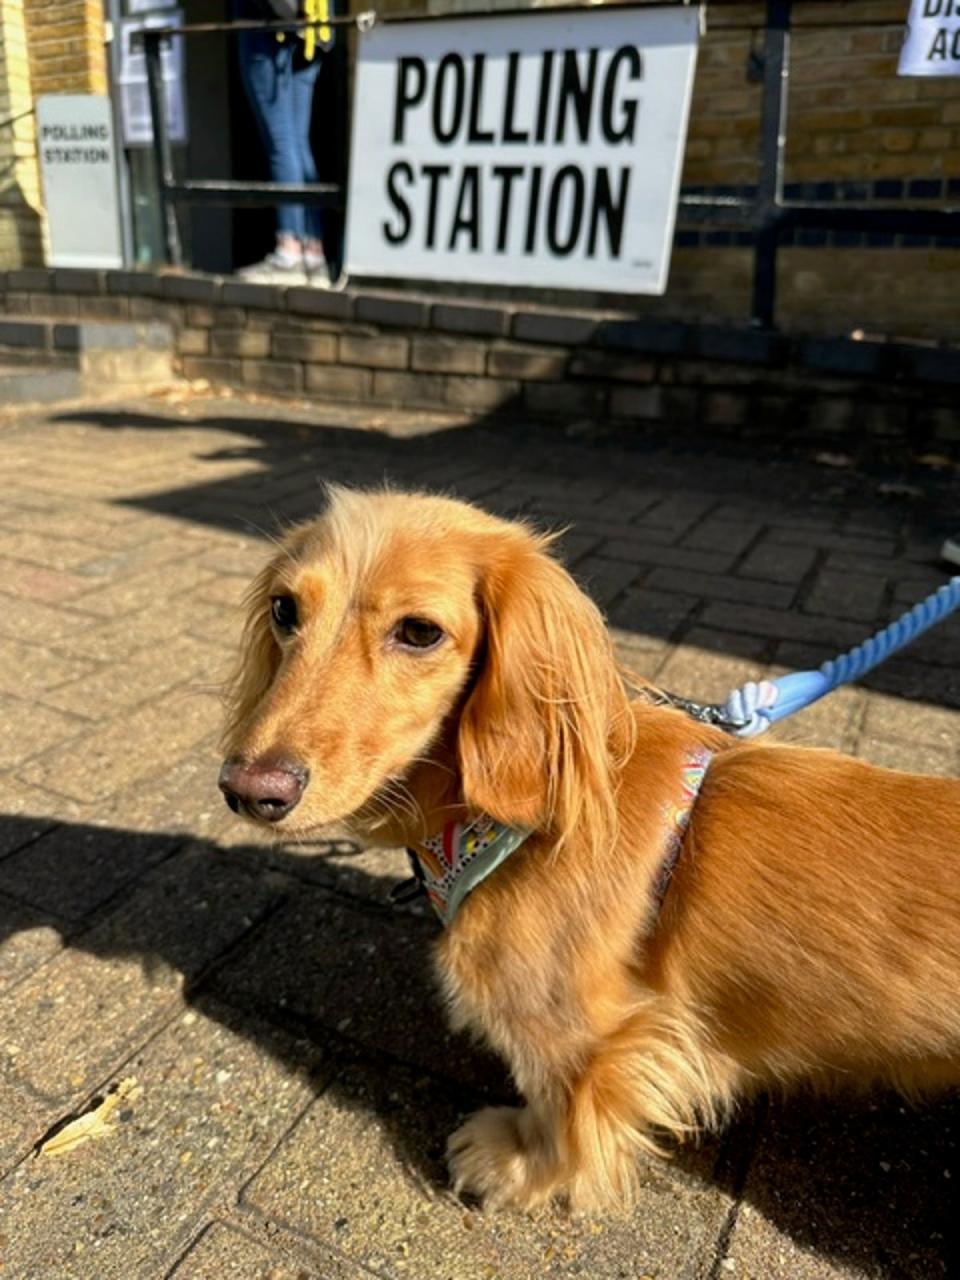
(294, 455)
(303, 941)
(658, 483)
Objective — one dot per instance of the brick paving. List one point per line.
(297, 1078)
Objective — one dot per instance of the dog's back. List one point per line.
(817, 917)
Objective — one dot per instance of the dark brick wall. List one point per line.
(593, 368)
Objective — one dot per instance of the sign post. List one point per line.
(534, 149)
(78, 163)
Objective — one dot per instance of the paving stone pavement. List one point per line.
(297, 1080)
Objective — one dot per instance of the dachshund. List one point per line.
(677, 919)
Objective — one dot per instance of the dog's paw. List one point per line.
(488, 1159)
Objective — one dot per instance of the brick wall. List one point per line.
(873, 398)
(66, 46)
(20, 221)
(851, 118)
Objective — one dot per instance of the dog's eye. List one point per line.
(283, 610)
(417, 633)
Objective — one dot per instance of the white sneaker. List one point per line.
(318, 269)
(950, 551)
(279, 267)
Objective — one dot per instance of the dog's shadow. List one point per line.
(305, 941)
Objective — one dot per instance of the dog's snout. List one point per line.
(268, 788)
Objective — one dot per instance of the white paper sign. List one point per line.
(77, 159)
(132, 79)
(932, 44)
(533, 149)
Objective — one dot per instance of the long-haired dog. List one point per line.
(410, 661)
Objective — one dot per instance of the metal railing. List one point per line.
(768, 216)
(171, 192)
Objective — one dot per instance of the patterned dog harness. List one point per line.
(448, 866)
(678, 817)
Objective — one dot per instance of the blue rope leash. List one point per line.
(755, 706)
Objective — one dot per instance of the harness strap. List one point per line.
(448, 866)
(694, 771)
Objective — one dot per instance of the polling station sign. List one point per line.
(78, 163)
(932, 44)
(525, 149)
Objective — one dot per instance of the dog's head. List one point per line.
(399, 632)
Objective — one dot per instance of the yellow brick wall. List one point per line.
(66, 46)
(21, 241)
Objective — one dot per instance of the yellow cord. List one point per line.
(318, 12)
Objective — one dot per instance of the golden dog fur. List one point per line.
(812, 928)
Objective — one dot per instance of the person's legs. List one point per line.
(266, 67)
(305, 75)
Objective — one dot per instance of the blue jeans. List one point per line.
(279, 85)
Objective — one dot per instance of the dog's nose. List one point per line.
(268, 788)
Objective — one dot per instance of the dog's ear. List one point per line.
(547, 717)
(257, 661)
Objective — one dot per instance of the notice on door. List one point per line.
(535, 149)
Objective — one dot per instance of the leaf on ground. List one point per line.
(92, 1124)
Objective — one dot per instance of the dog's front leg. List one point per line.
(511, 1156)
(581, 1139)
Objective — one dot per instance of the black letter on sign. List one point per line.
(572, 88)
(474, 132)
(543, 102)
(509, 133)
(563, 246)
(506, 174)
(938, 50)
(397, 235)
(467, 216)
(613, 213)
(629, 114)
(433, 173)
(533, 209)
(454, 61)
(407, 97)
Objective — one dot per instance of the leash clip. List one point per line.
(409, 890)
(704, 712)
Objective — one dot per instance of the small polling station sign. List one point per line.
(525, 149)
(932, 44)
(78, 163)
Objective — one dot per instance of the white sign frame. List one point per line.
(931, 45)
(600, 216)
(77, 152)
